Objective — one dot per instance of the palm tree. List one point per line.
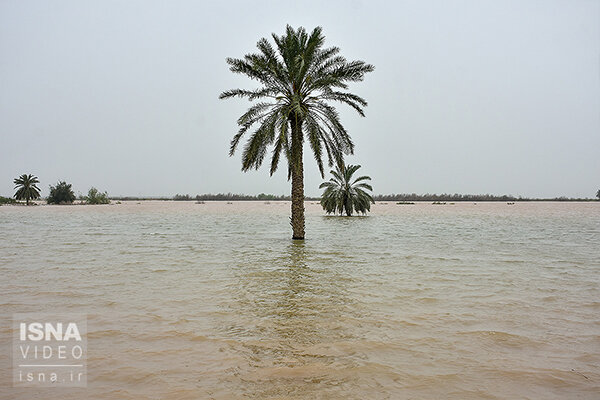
(298, 78)
(27, 188)
(343, 194)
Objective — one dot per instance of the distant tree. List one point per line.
(94, 196)
(26, 188)
(7, 200)
(342, 194)
(598, 194)
(61, 194)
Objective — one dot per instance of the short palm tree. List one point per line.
(26, 188)
(298, 79)
(342, 194)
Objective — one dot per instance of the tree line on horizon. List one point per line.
(62, 193)
(469, 197)
(27, 189)
(380, 197)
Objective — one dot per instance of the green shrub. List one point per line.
(7, 200)
(61, 194)
(94, 196)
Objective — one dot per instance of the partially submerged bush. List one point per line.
(94, 196)
(61, 194)
(7, 200)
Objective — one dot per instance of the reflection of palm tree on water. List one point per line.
(287, 311)
(289, 298)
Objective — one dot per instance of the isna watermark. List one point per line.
(49, 350)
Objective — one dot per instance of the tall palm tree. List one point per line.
(26, 188)
(298, 79)
(344, 194)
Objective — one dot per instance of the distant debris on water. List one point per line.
(405, 202)
(200, 202)
(511, 203)
(441, 203)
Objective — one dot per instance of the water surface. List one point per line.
(201, 301)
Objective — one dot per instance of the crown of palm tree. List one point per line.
(344, 194)
(298, 79)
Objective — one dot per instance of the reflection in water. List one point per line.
(292, 312)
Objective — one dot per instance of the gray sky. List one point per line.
(473, 96)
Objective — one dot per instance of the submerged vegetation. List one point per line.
(406, 198)
(223, 197)
(7, 200)
(94, 196)
(182, 197)
(410, 198)
(299, 78)
(61, 194)
(343, 194)
(243, 197)
(27, 189)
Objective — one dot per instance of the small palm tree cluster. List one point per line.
(343, 194)
(27, 189)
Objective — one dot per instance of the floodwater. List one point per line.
(215, 301)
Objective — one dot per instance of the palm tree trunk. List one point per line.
(297, 181)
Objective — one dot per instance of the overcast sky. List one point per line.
(476, 96)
